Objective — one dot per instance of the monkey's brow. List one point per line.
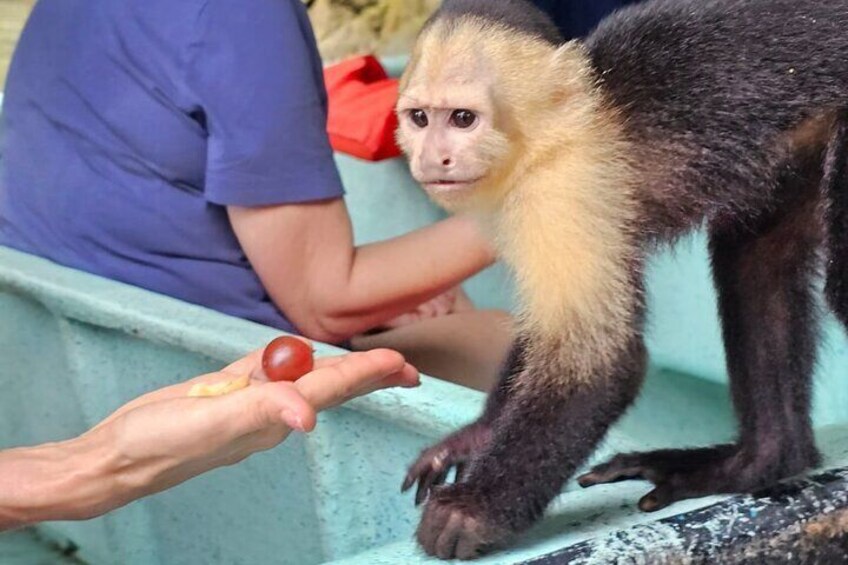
(410, 100)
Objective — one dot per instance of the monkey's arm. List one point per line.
(433, 465)
(546, 428)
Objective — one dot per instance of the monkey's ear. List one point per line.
(569, 67)
(568, 56)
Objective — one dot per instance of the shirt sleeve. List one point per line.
(255, 70)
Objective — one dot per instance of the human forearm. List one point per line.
(467, 347)
(57, 481)
(394, 276)
(330, 290)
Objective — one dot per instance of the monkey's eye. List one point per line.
(419, 118)
(463, 118)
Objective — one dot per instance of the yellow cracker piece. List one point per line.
(219, 389)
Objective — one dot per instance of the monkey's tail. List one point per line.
(835, 189)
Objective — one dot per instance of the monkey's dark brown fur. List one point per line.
(734, 116)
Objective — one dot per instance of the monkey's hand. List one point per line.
(433, 465)
(457, 525)
(679, 474)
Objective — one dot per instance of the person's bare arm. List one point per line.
(165, 437)
(330, 290)
(468, 347)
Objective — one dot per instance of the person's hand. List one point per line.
(165, 437)
(450, 302)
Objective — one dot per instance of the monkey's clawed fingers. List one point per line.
(677, 474)
(434, 464)
(455, 527)
(431, 470)
(620, 468)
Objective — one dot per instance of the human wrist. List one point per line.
(67, 480)
(476, 231)
(92, 469)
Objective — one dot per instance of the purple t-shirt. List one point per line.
(129, 125)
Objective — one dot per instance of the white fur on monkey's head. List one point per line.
(474, 95)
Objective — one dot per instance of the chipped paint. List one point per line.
(798, 521)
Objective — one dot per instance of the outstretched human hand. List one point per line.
(165, 437)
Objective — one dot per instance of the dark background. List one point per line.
(576, 18)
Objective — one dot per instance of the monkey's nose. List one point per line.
(447, 162)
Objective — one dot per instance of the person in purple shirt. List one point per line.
(182, 147)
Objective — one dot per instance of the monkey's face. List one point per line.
(447, 130)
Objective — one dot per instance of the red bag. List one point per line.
(361, 109)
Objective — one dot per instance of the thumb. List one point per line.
(283, 402)
(264, 405)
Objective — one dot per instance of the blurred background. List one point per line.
(13, 14)
(342, 27)
(353, 27)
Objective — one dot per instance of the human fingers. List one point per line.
(361, 371)
(247, 364)
(462, 302)
(404, 319)
(408, 377)
(253, 409)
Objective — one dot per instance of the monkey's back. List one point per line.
(712, 85)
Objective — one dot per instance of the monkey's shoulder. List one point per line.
(724, 55)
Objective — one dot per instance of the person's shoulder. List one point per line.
(253, 6)
(151, 14)
(281, 14)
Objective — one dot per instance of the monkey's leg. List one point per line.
(433, 465)
(547, 428)
(763, 273)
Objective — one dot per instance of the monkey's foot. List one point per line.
(455, 524)
(433, 465)
(679, 474)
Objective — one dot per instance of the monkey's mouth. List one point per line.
(448, 185)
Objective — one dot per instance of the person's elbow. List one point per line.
(325, 331)
(330, 313)
(327, 326)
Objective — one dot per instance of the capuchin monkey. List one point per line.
(580, 158)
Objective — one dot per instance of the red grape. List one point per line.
(287, 359)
